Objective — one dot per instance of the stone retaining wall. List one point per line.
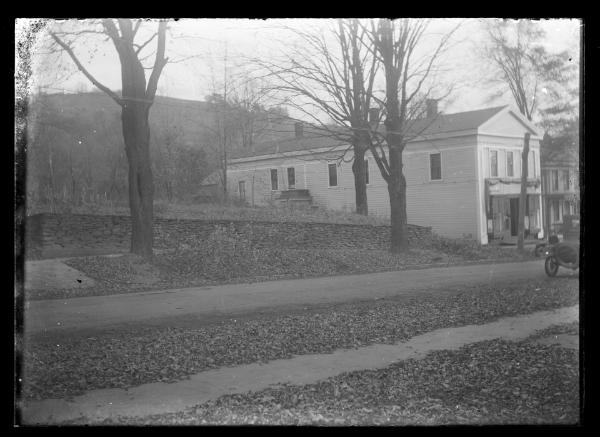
(78, 234)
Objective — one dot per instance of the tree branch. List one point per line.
(85, 71)
(140, 47)
(159, 62)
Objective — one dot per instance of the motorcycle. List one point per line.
(563, 254)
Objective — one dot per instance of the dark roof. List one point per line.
(443, 123)
(292, 144)
(459, 121)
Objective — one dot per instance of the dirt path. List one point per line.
(158, 398)
(162, 306)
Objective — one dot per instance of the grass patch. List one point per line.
(232, 211)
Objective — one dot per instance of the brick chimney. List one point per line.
(373, 115)
(432, 107)
(299, 129)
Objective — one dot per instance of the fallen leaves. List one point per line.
(134, 356)
(226, 256)
(436, 390)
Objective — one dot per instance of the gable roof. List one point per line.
(442, 123)
(445, 123)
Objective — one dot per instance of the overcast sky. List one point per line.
(208, 40)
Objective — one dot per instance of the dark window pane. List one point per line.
(509, 164)
(291, 173)
(556, 210)
(242, 189)
(274, 180)
(367, 171)
(494, 162)
(435, 164)
(332, 175)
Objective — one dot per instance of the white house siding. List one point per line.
(454, 206)
(504, 123)
(504, 145)
(340, 197)
(257, 178)
(449, 206)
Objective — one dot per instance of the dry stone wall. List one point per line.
(49, 235)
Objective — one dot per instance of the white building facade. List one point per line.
(462, 174)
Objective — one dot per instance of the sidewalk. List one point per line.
(159, 398)
(54, 274)
(206, 302)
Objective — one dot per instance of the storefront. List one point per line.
(502, 207)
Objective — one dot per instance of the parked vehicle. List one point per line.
(569, 230)
(561, 254)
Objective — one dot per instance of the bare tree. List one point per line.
(137, 96)
(524, 66)
(329, 78)
(238, 114)
(394, 43)
(249, 102)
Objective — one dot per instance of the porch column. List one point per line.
(541, 218)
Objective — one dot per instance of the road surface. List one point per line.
(46, 316)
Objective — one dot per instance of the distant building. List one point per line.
(462, 172)
(560, 181)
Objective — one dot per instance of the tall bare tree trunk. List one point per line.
(360, 183)
(397, 193)
(396, 181)
(523, 196)
(136, 100)
(224, 173)
(136, 134)
(51, 165)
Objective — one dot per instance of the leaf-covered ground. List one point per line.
(237, 262)
(492, 382)
(133, 356)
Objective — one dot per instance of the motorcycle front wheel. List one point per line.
(551, 266)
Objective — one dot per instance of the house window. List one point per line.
(242, 189)
(367, 171)
(494, 163)
(435, 166)
(274, 185)
(332, 175)
(510, 168)
(567, 180)
(554, 180)
(291, 173)
(533, 161)
(556, 210)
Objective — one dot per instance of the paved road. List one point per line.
(106, 311)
